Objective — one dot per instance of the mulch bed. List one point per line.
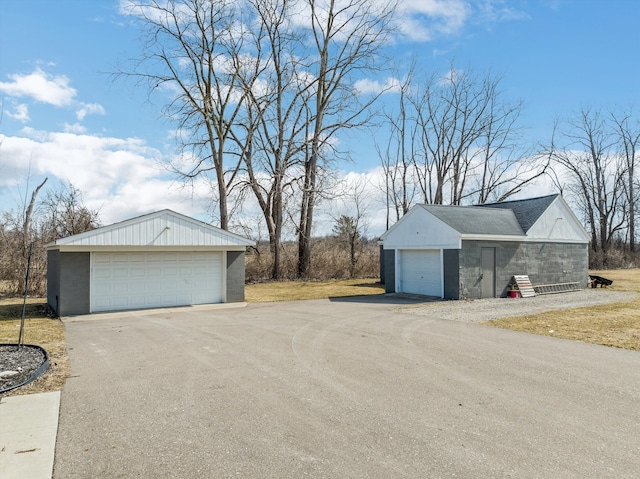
(20, 364)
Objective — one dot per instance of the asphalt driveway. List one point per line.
(339, 389)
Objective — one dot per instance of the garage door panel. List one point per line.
(147, 280)
(156, 299)
(120, 272)
(152, 271)
(169, 270)
(421, 272)
(120, 288)
(137, 271)
(120, 258)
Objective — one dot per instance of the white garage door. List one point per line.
(421, 272)
(151, 280)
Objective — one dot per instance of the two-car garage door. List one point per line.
(421, 272)
(150, 280)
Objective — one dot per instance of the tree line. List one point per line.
(595, 153)
(25, 230)
(457, 140)
(262, 91)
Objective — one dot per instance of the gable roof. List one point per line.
(545, 218)
(527, 211)
(474, 220)
(161, 228)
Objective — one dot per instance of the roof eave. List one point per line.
(492, 237)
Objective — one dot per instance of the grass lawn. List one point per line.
(616, 325)
(39, 330)
(298, 290)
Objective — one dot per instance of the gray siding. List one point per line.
(451, 266)
(235, 276)
(389, 271)
(53, 279)
(75, 276)
(545, 263)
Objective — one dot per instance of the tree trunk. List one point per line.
(306, 218)
(26, 229)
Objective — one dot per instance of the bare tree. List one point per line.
(595, 175)
(504, 167)
(277, 115)
(469, 134)
(397, 156)
(194, 51)
(628, 145)
(34, 225)
(451, 117)
(65, 214)
(351, 225)
(346, 38)
(347, 234)
(460, 137)
(26, 228)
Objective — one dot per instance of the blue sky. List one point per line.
(64, 117)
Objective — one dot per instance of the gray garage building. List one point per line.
(161, 259)
(458, 252)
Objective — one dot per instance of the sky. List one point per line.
(64, 116)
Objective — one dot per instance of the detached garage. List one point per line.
(162, 259)
(458, 252)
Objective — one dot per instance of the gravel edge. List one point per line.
(479, 310)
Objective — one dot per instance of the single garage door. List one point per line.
(152, 280)
(421, 272)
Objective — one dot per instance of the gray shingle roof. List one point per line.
(477, 220)
(527, 211)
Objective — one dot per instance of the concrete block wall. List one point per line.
(451, 267)
(545, 263)
(53, 279)
(389, 280)
(235, 276)
(75, 278)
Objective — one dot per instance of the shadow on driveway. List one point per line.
(388, 298)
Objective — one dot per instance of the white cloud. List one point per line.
(49, 89)
(497, 11)
(367, 85)
(20, 113)
(41, 86)
(74, 128)
(89, 109)
(426, 20)
(120, 177)
(423, 20)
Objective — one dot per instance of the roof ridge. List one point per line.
(466, 207)
(519, 201)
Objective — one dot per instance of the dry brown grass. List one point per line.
(42, 331)
(616, 325)
(298, 290)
